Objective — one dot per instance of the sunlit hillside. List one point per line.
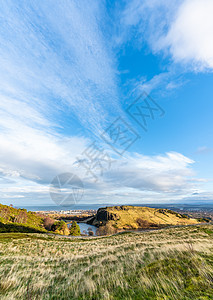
(133, 217)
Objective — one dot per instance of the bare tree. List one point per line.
(48, 222)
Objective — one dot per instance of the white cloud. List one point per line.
(35, 154)
(190, 36)
(146, 179)
(147, 20)
(132, 178)
(164, 82)
(161, 173)
(182, 29)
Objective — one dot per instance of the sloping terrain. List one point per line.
(170, 263)
(20, 220)
(133, 217)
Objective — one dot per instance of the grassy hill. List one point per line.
(133, 217)
(171, 263)
(21, 220)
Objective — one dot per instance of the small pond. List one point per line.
(85, 227)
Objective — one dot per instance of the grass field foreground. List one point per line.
(173, 263)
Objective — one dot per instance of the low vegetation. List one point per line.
(171, 263)
(134, 217)
(60, 227)
(106, 230)
(75, 229)
(21, 220)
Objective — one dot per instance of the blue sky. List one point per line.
(70, 69)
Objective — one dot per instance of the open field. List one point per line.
(172, 263)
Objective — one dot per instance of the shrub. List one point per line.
(144, 223)
(48, 223)
(75, 229)
(60, 227)
(18, 227)
(90, 232)
(184, 216)
(106, 230)
(203, 220)
(21, 217)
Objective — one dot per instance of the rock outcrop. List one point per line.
(134, 217)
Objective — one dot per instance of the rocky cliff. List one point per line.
(134, 217)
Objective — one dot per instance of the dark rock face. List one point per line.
(104, 215)
(101, 215)
(122, 207)
(90, 221)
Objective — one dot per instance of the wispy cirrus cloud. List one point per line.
(164, 82)
(58, 59)
(56, 66)
(204, 150)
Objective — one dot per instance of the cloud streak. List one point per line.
(58, 59)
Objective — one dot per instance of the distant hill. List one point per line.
(134, 217)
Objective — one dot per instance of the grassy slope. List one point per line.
(172, 263)
(127, 216)
(19, 220)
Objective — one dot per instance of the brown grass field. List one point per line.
(172, 263)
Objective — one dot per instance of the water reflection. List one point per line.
(85, 228)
